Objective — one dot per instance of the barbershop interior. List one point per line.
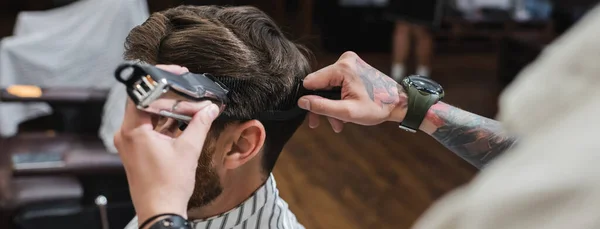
(61, 104)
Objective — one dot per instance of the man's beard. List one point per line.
(208, 185)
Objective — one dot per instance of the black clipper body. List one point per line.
(158, 91)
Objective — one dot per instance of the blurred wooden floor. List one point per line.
(382, 177)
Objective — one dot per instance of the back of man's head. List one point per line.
(236, 42)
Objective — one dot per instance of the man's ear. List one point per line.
(248, 141)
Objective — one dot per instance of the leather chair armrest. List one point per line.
(58, 95)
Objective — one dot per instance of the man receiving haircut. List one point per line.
(234, 186)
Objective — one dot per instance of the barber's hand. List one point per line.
(160, 169)
(369, 97)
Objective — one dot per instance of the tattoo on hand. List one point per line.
(381, 89)
(476, 139)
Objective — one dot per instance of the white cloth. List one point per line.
(78, 45)
(551, 180)
(264, 209)
(112, 117)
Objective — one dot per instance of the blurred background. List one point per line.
(56, 172)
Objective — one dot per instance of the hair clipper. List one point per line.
(157, 91)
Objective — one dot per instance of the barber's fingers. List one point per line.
(175, 69)
(348, 55)
(192, 138)
(190, 108)
(313, 120)
(135, 118)
(341, 73)
(336, 124)
(328, 77)
(339, 109)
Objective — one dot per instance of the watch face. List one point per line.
(425, 84)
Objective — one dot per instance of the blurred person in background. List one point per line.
(412, 20)
(234, 186)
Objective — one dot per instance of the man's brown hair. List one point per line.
(237, 42)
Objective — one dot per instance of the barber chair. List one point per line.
(62, 178)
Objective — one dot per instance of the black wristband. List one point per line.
(174, 221)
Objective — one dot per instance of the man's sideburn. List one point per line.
(207, 185)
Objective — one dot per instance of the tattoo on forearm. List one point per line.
(381, 89)
(476, 139)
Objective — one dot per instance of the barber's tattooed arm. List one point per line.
(476, 139)
(382, 89)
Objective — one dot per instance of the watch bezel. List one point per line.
(407, 129)
(409, 81)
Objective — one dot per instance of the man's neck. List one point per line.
(236, 189)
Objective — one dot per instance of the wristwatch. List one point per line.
(171, 221)
(422, 93)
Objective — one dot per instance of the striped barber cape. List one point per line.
(263, 210)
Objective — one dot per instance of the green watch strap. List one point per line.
(418, 106)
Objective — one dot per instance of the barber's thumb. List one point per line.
(304, 103)
(323, 106)
(197, 129)
(208, 114)
(201, 122)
